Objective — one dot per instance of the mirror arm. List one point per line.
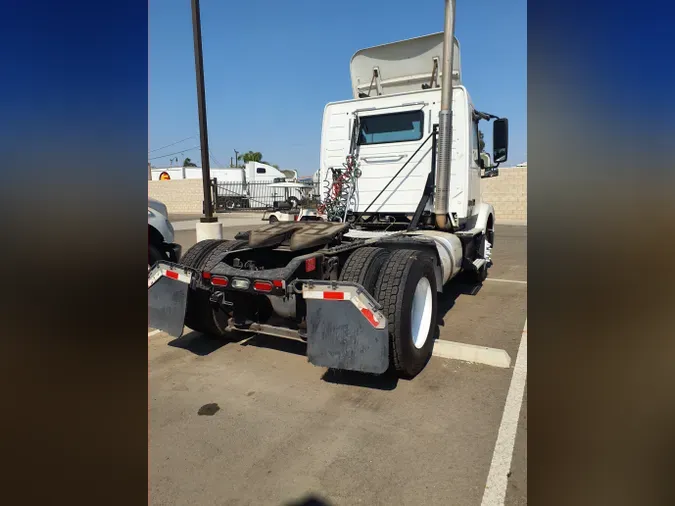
(484, 115)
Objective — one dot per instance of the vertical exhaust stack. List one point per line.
(442, 194)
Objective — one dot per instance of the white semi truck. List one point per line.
(237, 186)
(251, 172)
(402, 216)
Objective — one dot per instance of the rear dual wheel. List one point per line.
(404, 282)
(406, 288)
(363, 266)
(201, 315)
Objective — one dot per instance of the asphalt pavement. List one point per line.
(253, 423)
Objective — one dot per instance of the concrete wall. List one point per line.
(508, 194)
(179, 195)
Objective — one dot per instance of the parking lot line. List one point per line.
(471, 353)
(495, 487)
(507, 281)
(150, 334)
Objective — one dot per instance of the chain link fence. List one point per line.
(234, 196)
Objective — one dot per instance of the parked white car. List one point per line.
(160, 235)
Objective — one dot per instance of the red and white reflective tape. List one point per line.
(170, 272)
(338, 294)
(348, 293)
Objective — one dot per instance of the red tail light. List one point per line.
(310, 264)
(219, 281)
(171, 274)
(262, 286)
(278, 283)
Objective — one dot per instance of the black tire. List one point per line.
(197, 293)
(216, 254)
(229, 204)
(273, 219)
(395, 290)
(194, 256)
(154, 255)
(363, 267)
(200, 314)
(490, 233)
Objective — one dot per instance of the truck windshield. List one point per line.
(393, 127)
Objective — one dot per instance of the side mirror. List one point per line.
(500, 140)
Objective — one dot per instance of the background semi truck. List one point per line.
(239, 187)
(251, 172)
(401, 213)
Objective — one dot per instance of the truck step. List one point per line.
(468, 233)
(478, 263)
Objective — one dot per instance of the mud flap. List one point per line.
(167, 297)
(348, 334)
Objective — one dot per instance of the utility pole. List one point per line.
(236, 158)
(210, 228)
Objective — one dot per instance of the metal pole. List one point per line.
(236, 158)
(201, 106)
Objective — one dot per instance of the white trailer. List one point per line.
(402, 216)
(251, 172)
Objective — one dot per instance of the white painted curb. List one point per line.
(472, 353)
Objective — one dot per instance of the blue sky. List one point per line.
(270, 68)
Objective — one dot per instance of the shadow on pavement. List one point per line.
(311, 500)
(386, 381)
(277, 343)
(198, 343)
(462, 285)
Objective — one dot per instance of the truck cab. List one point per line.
(391, 120)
